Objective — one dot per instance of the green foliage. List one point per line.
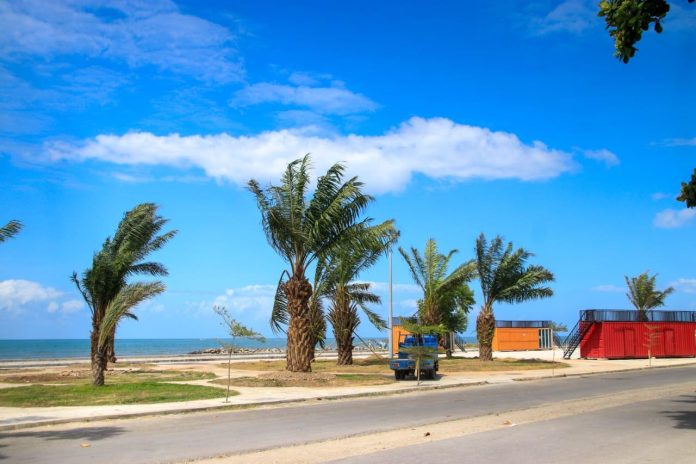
(688, 192)
(424, 329)
(336, 274)
(447, 298)
(558, 327)
(9, 230)
(626, 21)
(643, 295)
(236, 329)
(303, 230)
(505, 275)
(105, 287)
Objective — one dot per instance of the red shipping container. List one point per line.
(617, 340)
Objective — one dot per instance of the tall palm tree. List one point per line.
(644, 296)
(105, 287)
(447, 298)
(302, 230)
(345, 296)
(505, 277)
(9, 230)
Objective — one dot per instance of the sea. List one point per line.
(17, 350)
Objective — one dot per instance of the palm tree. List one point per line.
(346, 296)
(504, 277)
(644, 296)
(104, 286)
(447, 298)
(9, 230)
(301, 231)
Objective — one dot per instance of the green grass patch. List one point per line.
(123, 393)
(116, 376)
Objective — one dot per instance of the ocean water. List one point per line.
(79, 348)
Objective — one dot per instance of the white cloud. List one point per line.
(660, 196)
(324, 100)
(684, 285)
(257, 298)
(604, 156)
(17, 295)
(680, 142)
(137, 33)
(437, 148)
(608, 288)
(68, 307)
(573, 16)
(384, 287)
(672, 218)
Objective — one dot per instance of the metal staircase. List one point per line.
(576, 335)
(460, 342)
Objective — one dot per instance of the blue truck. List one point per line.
(405, 363)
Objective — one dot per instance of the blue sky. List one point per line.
(508, 118)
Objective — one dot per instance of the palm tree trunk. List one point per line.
(485, 329)
(110, 351)
(98, 367)
(642, 315)
(300, 335)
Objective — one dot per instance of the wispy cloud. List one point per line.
(334, 99)
(137, 33)
(672, 218)
(256, 298)
(657, 196)
(68, 307)
(574, 16)
(684, 285)
(680, 142)
(437, 148)
(384, 287)
(610, 288)
(603, 156)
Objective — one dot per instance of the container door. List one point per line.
(629, 342)
(669, 343)
(544, 339)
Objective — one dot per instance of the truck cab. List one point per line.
(405, 362)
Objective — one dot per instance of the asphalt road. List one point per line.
(191, 436)
(658, 431)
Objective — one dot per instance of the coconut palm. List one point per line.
(644, 296)
(105, 286)
(302, 230)
(9, 230)
(447, 298)
(347, 297)
(505, 277)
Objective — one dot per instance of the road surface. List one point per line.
(192, 436)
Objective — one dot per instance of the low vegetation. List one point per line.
(81, 376)
(498, 364)
(114, 393)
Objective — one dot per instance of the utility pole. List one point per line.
(391, 326)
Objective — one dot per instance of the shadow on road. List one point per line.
(684, 419)
(86, 433)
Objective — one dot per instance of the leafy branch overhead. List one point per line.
(626, 21)
(688, 192)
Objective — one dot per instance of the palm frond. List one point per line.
(279, 314)
(9, 230)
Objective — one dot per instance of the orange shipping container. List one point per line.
(515, 339)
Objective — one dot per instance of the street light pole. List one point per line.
(391, 326)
